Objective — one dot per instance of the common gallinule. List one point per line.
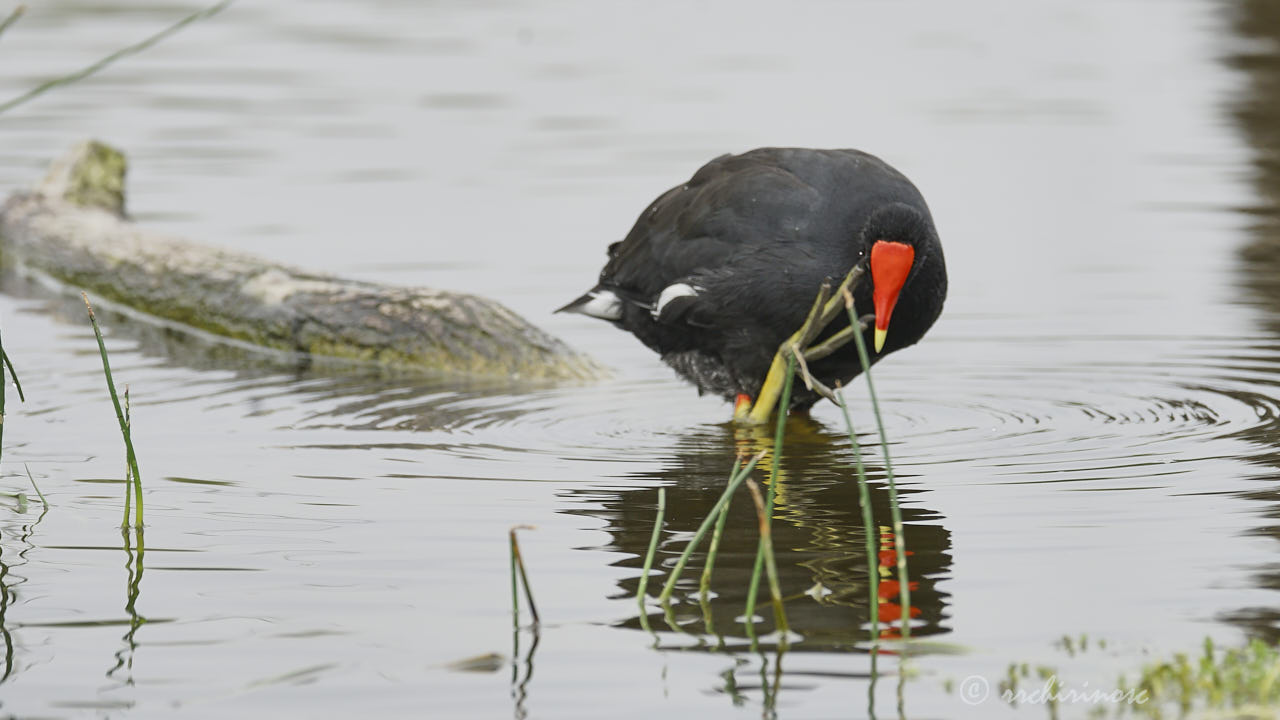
(719, 271)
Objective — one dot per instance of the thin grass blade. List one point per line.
(771, 566)
(13, 374)
(134, 49)
(129, 483)
(130, 457)
(734, 482)
(773, 483)
(899, 538)
(518, 562)
(137, 479)
(872, 534)
(648, 557)
(32, 478)
(13, 18)
(515, 587)
(704, 585)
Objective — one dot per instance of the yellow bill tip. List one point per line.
(880, 336)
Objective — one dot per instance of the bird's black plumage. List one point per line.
(720, 270)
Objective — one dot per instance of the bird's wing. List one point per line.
(732, 205)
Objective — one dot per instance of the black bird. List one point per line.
(719, 271)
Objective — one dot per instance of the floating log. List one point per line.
(73, 228)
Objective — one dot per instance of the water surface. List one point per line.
(1086, 442)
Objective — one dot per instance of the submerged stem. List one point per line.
(704, 586)
(766, 542)
(871, 532)
(648, 557)
(899, 539)
(774, 471)
(670, 585)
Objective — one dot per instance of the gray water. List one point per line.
(1087, 441)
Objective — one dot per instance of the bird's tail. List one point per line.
(597, 302)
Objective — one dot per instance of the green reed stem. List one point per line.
(131, 458)
(4, 385)
(13, 18)
(32, 478)
(134, 49)
(783, 407)
(704, 585)
(515, 584)
(137, 480)
(766, 541)
(899, 539)
(129, 483)
(872, 534)
(13, 374)
(868, 522)
(653, 549)
(734, 482)
(517, 566)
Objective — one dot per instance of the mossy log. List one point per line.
(73, 228)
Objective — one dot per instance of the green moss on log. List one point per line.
(91, 174)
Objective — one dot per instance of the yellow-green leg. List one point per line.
(825, 307)
(767, 399)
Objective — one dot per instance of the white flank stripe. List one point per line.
(671, 292)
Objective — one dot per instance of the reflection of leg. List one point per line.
(889, 589)
(757, 440)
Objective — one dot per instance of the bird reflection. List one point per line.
(818, 531)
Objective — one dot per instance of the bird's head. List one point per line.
(900, 237)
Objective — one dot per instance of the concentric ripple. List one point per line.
(1150, 402)
(1110, 419)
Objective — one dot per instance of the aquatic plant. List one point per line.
(517, 568)
(872, 533)
(7, 364)
(794, 354)
(124, 52)
(774, 470)
(32, 478)
(704, 586)
(133, 478)
(734, 482)
(653, 549)
(770, 563)
(12, 18)
(900, 540)
(1239, 682)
